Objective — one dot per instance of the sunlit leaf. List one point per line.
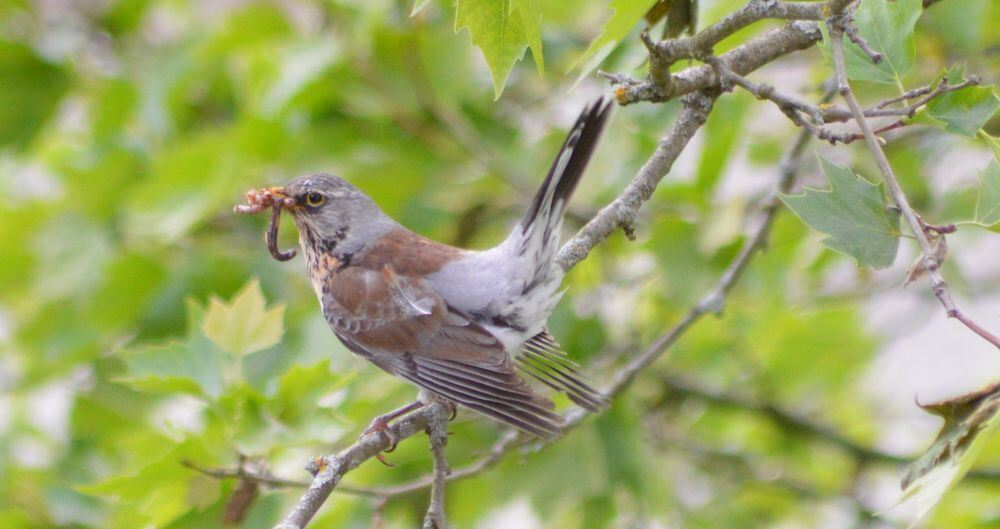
(627, 13)
(159, 491)
(854, 213)
(969, 421)
(245, 324)
(502, 30)
(965, 111)
(192, 366)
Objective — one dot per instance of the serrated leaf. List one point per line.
(888, 28)
(533, 29)
(502, 30)
(244, 325)
(627, 13)
(194, 366)
(969, 421)
(965, 111)
(988, 197)
(853, 212)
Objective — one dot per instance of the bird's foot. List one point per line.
(381, 424)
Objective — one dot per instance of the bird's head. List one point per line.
(331, 214)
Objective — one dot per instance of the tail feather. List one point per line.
(568, 167)
(531, 287)
(544, 360)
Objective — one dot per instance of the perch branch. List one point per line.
(437, 432)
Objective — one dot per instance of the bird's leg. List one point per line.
(381, 424)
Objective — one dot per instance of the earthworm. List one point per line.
(258, 201)
(272, 236)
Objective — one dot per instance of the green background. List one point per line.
(128, 130)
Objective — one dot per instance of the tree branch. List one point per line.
(437, 432)
(930, 262)
(812, 117)
(328, 470)
(621, 212)
(744, 59)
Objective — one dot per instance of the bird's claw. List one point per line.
(380, 424)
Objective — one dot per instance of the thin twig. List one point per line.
(931, 264)
(798, 110)
(856, 38)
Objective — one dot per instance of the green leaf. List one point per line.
(194, 366)
(888, 28)
(965, 111)
(160, 491)
(969, 421)
(627, 13)
(854, 213)
(502, 30)
(988, 198)
(244, 325)
(533, 28)
(31, 94)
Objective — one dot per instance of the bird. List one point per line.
(466, 327)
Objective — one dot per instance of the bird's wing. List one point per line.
(404, 327)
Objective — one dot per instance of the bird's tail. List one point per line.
(537, 234)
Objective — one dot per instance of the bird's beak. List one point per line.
(279, 194)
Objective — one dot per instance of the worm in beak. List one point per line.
(274, 198)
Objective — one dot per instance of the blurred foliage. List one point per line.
(142, 324)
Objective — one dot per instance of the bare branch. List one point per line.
(757, 52)
(811, 117)
(696, 45)
(328, 470)
(622, 211)
(940, 288)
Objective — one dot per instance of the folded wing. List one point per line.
(404, 327)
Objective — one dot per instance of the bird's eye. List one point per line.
(315, 199)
